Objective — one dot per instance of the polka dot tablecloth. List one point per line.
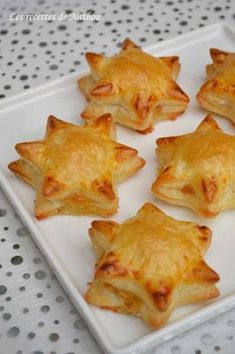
(36, 317)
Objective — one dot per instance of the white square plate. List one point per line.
(64, 239)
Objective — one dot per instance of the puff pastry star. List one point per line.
(198, 169)
(149, 265)
(137, 88)
(218, 93)
(75, 169)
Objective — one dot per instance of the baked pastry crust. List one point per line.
(138, 89)
(198, 169)
(75, 169)
(218, 93)
(149, 265)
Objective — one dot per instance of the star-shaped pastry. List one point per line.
(137, 88)
(218, 93)
(198, 169)
(75, 169)
(150, 264)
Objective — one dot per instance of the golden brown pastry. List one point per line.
(138, 89)
(218, 93)
(75, 169)
(149, 265)
(198, 169)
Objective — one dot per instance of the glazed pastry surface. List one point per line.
(150, 264)
(218, 93)
(75, 169)
(137, 88)
(198, 169)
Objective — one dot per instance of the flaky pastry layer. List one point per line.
(149, 265)
(197, 170)
(75, 169)
(217, 94)
(138, 89)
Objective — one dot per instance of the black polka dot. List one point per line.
(3, 32)
(42, 44)
(13, 332)
(6, 316)
(31, 335)
(217, 8)
(125, 7)
(62, 27)
(90, 11)
(37, 260)
(40, 274)
(26, 275)
(16, 260)
(24, 77)
(22, 232)
(3, 212)
(54, 337)
(45, 308)
(183, 23)
(107, 23)
(2, 96)
(59, 299)
(53, 67)
(26, 31)
(3, 289)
